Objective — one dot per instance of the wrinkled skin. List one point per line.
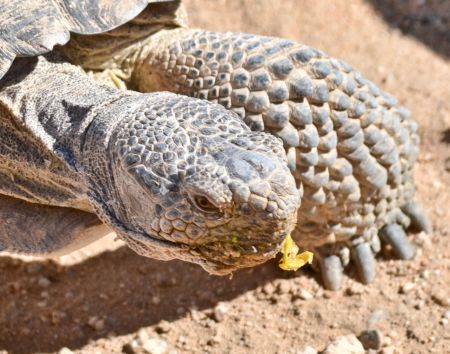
(175, 177)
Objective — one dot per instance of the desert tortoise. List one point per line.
(178, 177)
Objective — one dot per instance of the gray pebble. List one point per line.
(371, 339)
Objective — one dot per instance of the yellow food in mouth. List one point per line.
(290, 259)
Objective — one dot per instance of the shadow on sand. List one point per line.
(126, 291)
(428, 21)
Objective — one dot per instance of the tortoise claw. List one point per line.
(395, 236)
(331, 270)
(364, 261)
(419, 219)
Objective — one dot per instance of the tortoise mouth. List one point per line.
(218, 258)
(226, 266)
(240, 244)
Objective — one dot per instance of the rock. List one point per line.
(155, 346)
(305, 294)
(44, 282)
(346, 344)
(132, 347)
(142, 335)
(441, 298)
(162, 327)
(65, 351)
(354, 289)
(407, 287)
(390, 350)
(217, 339)
(308, 350)
(220, 311)
(370, 339)
(96, 323)
(447, 315)
(268, 289)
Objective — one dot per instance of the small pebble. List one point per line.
(386, 341)
(162, 327)
(407, 287)
(371, 339)
(220, 311)
(268, 289)
(44, 282)
(142, 335)
(65, 351)
(441, 298)
(96, 323)
(389, 350)
(217, 339)
(443, 321)
(132, 347)
(305, 295)
(155, 346)
(354, 289)
(308, 350)
(347, 344)
(447, 314)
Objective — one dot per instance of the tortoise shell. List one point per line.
(31, 28)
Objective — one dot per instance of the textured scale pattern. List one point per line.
(32, 28)
(173, 176)
(172, 141)
(181, 178)
(350, 147)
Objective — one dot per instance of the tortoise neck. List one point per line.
(54, 99)
(119, 49)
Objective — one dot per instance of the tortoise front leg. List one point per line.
(350, 146)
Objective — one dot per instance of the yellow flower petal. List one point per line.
(290, 259)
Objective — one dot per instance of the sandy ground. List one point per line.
(116, 301)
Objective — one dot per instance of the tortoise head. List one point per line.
(195, 181)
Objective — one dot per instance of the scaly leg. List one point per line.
(349, 145)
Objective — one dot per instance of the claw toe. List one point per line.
(419, 219)
(365, 262)
(331, 269)
(395, 236)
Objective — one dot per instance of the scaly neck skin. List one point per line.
(56, 103)
(55, 100)
(112, 56)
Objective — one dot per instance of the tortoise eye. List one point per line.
(204, 204)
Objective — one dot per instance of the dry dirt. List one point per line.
(113, 301)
